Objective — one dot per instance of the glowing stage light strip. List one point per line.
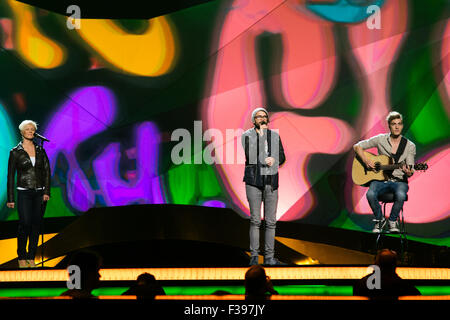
(291, 297)
(276, 273)
(241, 297)
(424, 298)
(33, 275)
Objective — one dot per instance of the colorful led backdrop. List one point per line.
(110, 93)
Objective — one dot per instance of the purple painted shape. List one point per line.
(89, 111)
(145, 185)
(214, 204)
(79, 192)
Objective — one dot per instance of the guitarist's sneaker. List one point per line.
(379, 225)
(393, 227)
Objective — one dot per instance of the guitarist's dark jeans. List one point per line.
(376, 188)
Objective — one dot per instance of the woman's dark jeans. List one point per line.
(29, 207)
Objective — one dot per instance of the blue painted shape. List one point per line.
(343, 11)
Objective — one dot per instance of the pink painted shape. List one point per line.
(312, 70)
(6, 26)
(237, 89)
(95, 63)
(445, 56)
(375, 51)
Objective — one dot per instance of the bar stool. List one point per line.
(385, 198)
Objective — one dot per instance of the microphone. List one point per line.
(37, 135)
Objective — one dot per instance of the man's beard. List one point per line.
(258, 125)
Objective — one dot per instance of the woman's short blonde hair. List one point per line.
(24, 123)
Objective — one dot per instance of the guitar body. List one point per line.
(363, 176)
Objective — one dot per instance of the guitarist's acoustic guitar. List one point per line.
(384, 165)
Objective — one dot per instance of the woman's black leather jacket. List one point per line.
(28, 177)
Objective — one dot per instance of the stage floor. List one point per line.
(197, 283)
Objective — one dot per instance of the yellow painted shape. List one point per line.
(48, 263)
(31, 44)
(8, 247)
(325, 253)
(152, 53)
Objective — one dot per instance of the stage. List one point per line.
(220, 293)
(197, 263)
(174, 236)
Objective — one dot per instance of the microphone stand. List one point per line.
(40, 142)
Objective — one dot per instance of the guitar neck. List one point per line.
(390, 167)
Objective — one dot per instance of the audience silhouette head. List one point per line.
(387, 259)
(146, 287)
(384, 283)
(89, 264)
(257, 283)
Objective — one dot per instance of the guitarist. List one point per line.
(399, 148)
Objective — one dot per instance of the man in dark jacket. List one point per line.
(263, 155)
